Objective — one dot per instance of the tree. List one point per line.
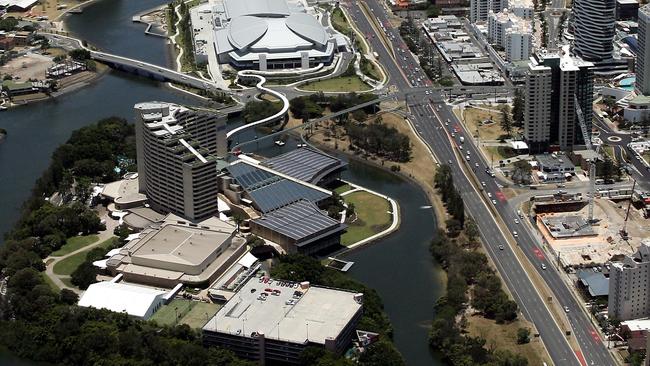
(68, 297)
(381, 352)
(518, 109)
(79, 54)
(522, 171)
(238, 219)
(523, 335)
(471, 230)
(506, 121)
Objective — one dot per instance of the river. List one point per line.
(399, 267)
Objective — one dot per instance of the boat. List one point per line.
(279, 143)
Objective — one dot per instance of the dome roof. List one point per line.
(307, 27)
(245, 30)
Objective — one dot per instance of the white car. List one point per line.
(489, 194)
(543, 266)
(483, 184)
(494, 202)
(566, 309)
(516, 221)
(475, 164)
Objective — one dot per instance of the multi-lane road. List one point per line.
(435, 122)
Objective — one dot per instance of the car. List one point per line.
(475, 164)
(467, 157)
(453, 134)
(460, 147)
(483, 184)
(501, 247)
(494, 202)
(543, 266)
(566, 309)
(427, 92)
(447, 123)
(516, 221)
(268, 289)
(489, 194)
(514, 233)
(290, 302)
(449, 162)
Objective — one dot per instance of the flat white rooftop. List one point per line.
(318, 314)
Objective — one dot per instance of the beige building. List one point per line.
(177, 164)
(176, 251)
(629, 286)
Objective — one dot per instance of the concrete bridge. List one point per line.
(138, 67)
(152, 71)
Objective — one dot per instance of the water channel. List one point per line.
(399, 267)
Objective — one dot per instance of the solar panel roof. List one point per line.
(270, 191)
(306, 164)
(300, 220)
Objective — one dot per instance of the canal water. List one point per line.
(399, 267)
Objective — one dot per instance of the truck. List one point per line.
(462, 139)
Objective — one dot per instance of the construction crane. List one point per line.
(592, 163)
(624, 233)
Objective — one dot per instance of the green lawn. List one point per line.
(339, 22)
(74, 243)
(497, 153)
(372, 216)
(69, 264)
(339, 84)
(192, 313)
(342, 188)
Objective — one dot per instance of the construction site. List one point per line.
(581, 234)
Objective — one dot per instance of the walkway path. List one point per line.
(51, 261)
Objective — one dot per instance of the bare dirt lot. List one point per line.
(30, 66)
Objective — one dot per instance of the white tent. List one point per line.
(137, 301)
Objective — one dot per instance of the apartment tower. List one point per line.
(553, 83)
(594, 29)
(177, 164)
(629, 286)
(642, 67)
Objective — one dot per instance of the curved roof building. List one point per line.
(269, 34)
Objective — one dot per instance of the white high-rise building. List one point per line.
(642, 67)
(177, 167)
(521, 8)
(498, 26)
(519, 43)
(479, 9)
(594, 29)
(629, 286)
(552, 84)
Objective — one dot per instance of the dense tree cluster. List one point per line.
(259, 109)
(313, 106)
(298, 267)
(468, 272)
(449, 194)
(379, 139)
(608, 169)
(8, 24)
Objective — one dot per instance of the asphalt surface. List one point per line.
(619, 141)
(435, 122)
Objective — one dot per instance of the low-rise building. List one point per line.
(136, 301)
(177, 251)
(274, 320)
(627, 9)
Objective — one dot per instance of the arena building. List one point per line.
(269, 34)
(176, 251)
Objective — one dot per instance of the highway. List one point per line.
(435, 122)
